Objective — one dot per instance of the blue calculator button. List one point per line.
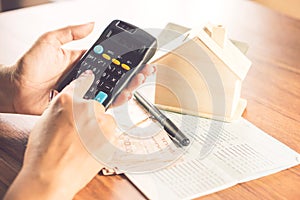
(98, 49)
(101, 96)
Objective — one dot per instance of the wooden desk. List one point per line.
(272, 89)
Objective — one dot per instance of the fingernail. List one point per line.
(52, 94)
(89, 23)
(129, 96)
(154, 69)
(144, 79)
(87, 73)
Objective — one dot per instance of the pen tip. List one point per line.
(185, 142)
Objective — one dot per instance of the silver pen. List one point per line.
(168, 125)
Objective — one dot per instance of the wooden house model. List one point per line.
(200, 72)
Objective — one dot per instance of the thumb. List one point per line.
(80, 86)
(64, 35)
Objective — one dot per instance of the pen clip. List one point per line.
(175, 142)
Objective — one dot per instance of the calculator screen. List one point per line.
(129, 43)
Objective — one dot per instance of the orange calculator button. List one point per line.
(115, 61)
(107, 57)
(124, 66)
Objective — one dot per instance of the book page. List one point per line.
(221, 155)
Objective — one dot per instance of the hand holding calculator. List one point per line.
(119, 53)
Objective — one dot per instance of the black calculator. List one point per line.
(120, 52)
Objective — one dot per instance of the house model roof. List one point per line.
(214, 37)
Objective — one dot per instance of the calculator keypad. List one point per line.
(108, 70)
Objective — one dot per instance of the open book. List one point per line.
(221, 155)
(217, 159)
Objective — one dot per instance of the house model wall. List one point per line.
(200, 72)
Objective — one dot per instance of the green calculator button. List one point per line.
(98, 49)
(101, 96)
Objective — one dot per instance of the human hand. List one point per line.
(38, 71)
(56, 164)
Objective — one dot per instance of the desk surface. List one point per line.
(272, 86)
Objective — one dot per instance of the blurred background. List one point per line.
(287, 7)
(6, 5)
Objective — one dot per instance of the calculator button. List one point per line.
(92, 89)
(124, 66)
(89, 67)
(115, 61)
(84, 64)
(106, 56)
(111, 52)
(109, 34)
(105, 75)
(100, 85)
(118, 72)
(98, 49)
(128, 62)
(111, 68)
(101, 96)
(99, 71)
(101, 62)
(90, 94)
(91, 57)
(113, 80)
(107, 88)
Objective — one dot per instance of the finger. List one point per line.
(136, 81)
(98, 108)
(52, 94)
(148, 69)
(141, 77)
(80, 86)
(108, 126)
(68, 34)
(72, 56)
(125, 96)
